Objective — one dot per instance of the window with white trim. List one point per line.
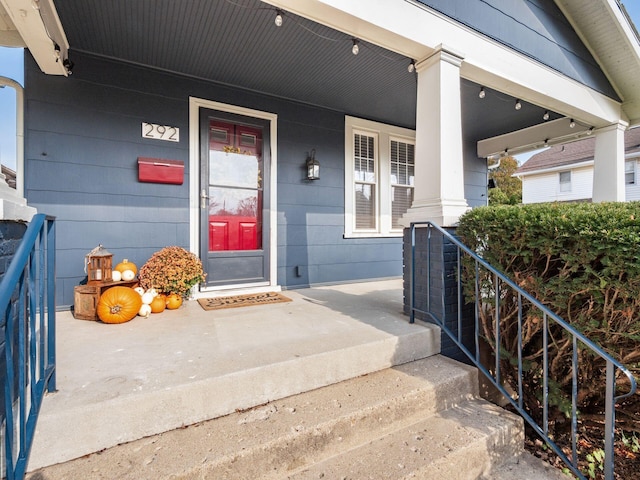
(565, 181)
(379, 177)
(630, 172)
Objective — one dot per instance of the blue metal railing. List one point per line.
(491, 288)
(27, 303)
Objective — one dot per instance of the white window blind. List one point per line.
(364, 159)
(402, 176)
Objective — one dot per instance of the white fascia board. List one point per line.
(39, 26)
(531, 138)
(559, 168)
(417, 31)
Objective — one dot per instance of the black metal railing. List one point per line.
(490, 289)
(27, 303)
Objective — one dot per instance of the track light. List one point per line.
(572, 124)
(482, 93)
(590, 131)
(355, 49)
(518, 105)
(278, 20)
(546, 142)
(545, 117)
(411, 67)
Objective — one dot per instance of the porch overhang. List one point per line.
(546, 134)
(486, 61)
(36, 26)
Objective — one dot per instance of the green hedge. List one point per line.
(580, 260)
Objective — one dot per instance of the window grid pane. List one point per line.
(365, 206)
(364, 159)
(565, 181)
(402, 163)
(402, 197)
(630, 172)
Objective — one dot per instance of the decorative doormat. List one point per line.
(242, 300)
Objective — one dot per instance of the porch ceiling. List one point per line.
(236, 42)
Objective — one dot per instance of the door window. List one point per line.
(235, 187)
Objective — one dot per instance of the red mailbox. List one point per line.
(159, 170)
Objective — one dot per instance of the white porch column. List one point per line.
(439, 177)
(608, 165)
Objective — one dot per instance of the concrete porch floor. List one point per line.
(118, 383)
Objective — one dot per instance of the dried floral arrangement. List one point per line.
(172, 270)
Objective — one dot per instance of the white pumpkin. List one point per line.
(116, 276)
(140, 290)
(145, 310)
(153, 292)
(128, 275)
(147, 297)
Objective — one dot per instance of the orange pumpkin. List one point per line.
(174, 301)
(118, 305)
(158, 304)
(126, 265)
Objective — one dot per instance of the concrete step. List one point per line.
(461, 443)
(526, 467)
(418, 420)
(149, 376)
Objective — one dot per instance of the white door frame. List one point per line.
(195, 104)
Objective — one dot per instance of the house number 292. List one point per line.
(160, 132)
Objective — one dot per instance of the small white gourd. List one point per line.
(140, 290)
(116, 276)
(147, 298)
(128, 275)
(145, 310)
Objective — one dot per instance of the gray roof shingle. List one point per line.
(574, 152)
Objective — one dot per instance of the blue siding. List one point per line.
(536, 28)
(83, 137)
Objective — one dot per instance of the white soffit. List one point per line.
(606, 31)
(527, 139)
(37, 24)
(9, 36)
(417, 31)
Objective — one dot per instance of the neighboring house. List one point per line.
(166, 122)
(564, 173)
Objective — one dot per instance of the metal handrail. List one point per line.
(27, 303)
(612, 365)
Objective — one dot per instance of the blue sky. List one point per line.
(11, 66)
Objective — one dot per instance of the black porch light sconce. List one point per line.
(313, 167)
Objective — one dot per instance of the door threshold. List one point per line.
(228, 290)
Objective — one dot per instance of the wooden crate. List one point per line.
(85, 298)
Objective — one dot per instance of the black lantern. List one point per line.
(313, 167)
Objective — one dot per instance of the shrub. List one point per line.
(581, 261)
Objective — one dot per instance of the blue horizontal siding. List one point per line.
(83, 137)
(536, 28)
